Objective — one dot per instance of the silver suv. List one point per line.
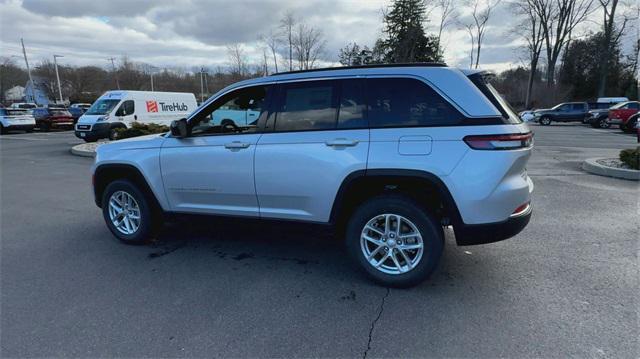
(389, 154)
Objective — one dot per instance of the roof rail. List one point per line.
(372, 66)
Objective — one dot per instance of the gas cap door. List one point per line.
(414, 145)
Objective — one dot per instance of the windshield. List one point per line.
(102, 107)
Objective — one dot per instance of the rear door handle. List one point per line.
(341, 142)
(237, 145)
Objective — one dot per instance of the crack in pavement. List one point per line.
(373, 324)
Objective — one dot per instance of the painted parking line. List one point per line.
(22, 138)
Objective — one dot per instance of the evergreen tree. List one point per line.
(406, 40)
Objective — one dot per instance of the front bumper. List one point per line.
(92, 132)
(472, 234)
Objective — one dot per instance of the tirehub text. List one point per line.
(173, 106)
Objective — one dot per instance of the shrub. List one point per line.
(139, 129)
(631, 157)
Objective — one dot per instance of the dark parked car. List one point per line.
(78, 109)
(564, 112)
(52, 117)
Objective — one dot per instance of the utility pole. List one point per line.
(113, 65)
(202, 73)
(24, 52)
(152, 81)
(55, 63)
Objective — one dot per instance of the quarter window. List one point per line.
(306, 106)
(404, 102)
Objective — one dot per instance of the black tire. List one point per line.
(602, 123)
(113, 134)
(90, 140)
(630, 127)
(29, 130)
(545, 120)
(150, 221)
(585, 120)
(429, 228)
(3, 131)
(44, 127)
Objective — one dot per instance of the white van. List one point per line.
(120, 109)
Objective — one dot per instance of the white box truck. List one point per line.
(120, 109)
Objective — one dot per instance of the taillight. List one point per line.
(521, 210)
(500, 142)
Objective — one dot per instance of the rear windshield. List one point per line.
(102, 107)
(482, 83)
(17, 112)
(56, 112)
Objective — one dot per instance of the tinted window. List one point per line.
(634, 106)
(127, 108)
(407, 102)
(235, 112)
(306, 106)
(352, 104)
(578, 107)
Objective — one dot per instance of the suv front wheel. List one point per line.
(395, 240)
(127, 212)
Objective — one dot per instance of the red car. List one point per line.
(48, 118)
(620, 114)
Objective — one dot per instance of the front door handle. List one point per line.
(341, 142)
(237, 145)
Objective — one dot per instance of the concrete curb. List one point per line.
(590, 165)
(85, 149)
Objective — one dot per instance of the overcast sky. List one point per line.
(192, 33)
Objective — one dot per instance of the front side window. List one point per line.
(127, 108)
(405, 102)
(306, 106)
(634, 105)
(235, 112)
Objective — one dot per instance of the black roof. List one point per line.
(372, 66)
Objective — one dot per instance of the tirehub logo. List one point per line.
(152, 106)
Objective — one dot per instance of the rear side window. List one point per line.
(351, 113)
(578, 107)
(508, 114)
(405, 102)
(307, 106)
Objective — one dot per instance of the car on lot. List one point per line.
(78, 109)
(526, 115)
(120, 109)
(48, 118)
(16, 119)
(23, 105)
(564, 112)
(388, 154)
(621, 113)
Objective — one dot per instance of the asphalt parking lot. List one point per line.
(567, 286)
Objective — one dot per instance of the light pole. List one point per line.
(55, 63)
(24, 52)
(202, 73)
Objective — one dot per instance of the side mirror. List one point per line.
(179, 128)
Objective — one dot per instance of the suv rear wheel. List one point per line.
(395, 240)
(128, 213)
(546, 120)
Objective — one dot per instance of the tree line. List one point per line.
(559, 61)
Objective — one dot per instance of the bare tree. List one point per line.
(308, 45)
(611, 34)
(448, 15)
(469, 28)
(481, 14)
(273, 41)
(533, 35)
(559, 19)
(237, 59)
(287, 25)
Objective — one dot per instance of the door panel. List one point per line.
(210, 174)
(298, 173)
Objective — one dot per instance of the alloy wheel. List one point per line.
(391, 244)
(124, 212)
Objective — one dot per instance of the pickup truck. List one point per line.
(564, 112)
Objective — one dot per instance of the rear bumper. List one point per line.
(23, 127)
(472, 234)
